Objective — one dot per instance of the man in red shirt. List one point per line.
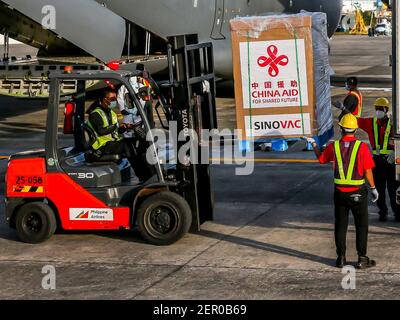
(380, 133)
(352, 164)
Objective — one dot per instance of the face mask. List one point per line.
(347, 131)
(347, 87)
(380, 114)
(112, 105)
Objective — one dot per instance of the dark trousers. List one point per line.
(357, 202)
(127, 150)
(118, 147)
(136, 157)
(385, 177)
(142, 168)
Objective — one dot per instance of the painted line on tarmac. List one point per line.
(266, 160)
(22, 128)
(385, 89)
(248, 160)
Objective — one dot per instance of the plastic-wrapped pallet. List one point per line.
(274, 72)
(274, 76)
(322, 76)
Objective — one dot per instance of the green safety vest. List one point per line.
(384, 149)
(346, 180)
(103, 140)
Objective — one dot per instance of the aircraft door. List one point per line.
(219, 16)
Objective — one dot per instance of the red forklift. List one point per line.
(67, 186)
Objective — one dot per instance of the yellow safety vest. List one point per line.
(103, 140)
(384, 149)
(346, 180)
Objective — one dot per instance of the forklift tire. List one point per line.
(35, 222)
(164, 218)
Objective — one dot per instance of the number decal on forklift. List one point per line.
(28, 184)
(82, 175)
(89, 175)
(30, 180)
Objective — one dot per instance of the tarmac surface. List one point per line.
(372, 65)
(272, 237)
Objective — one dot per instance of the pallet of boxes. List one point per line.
(282, 76)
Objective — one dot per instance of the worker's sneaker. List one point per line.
(365, 262)
(341, 262)
(383, 217)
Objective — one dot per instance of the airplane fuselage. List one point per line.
(99, 29)
(210, 18)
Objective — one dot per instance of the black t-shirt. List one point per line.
(351, 103)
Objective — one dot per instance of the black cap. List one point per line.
(140, 67)
(352, 81)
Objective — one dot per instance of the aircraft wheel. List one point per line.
(164, 218)
(35, 222)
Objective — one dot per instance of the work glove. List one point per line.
(391, 158)
(131, 111)
(309, 140)
(375, 195)
(339, 105)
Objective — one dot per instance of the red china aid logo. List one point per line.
(273, 61)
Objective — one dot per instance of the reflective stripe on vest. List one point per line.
(384, 149)
(359, 107)
(146, 83)
(102, 140)
(346, 180)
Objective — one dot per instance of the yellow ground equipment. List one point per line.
(359, 28)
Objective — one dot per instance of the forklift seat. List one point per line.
(92, 157)
(91, 175)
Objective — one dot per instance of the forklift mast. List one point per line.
(191, 98)
(395, 5)
(396, 83)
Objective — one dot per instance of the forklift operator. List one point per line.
(104, 122)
